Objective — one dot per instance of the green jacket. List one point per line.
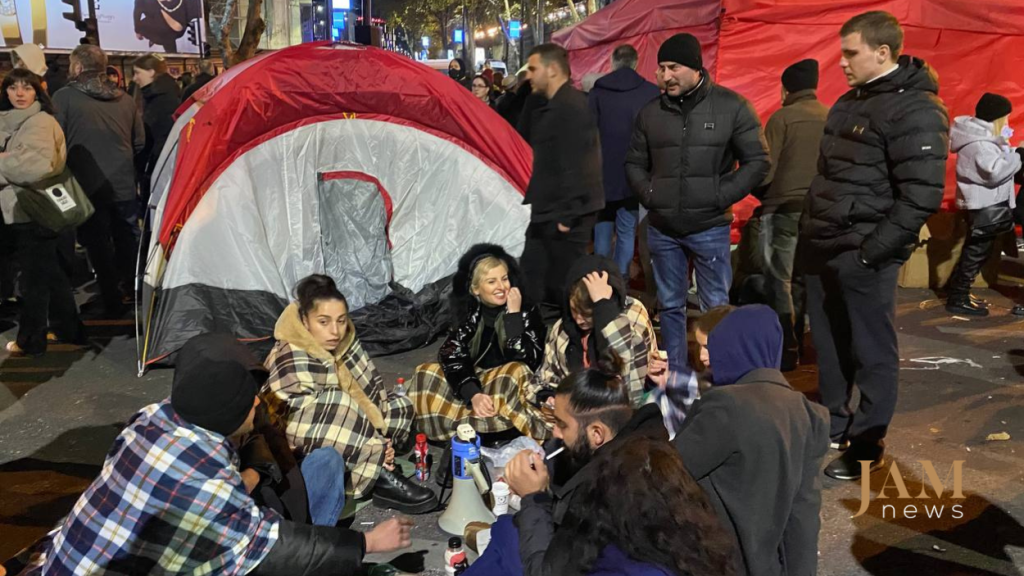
(794, 137)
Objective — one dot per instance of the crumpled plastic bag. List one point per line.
(499, 457)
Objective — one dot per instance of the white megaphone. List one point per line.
(468, 484)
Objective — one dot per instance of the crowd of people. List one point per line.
(669, 469)
(90, 126)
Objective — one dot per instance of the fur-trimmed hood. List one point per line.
(462, 303)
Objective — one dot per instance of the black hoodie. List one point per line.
(882, 168)
(605, 311)
(162, 99)
(104, 132)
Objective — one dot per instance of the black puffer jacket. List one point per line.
(882, 168)
(682, 158)
(520, 336)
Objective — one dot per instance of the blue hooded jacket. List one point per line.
(748, 338)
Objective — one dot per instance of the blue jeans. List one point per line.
(323, 471)
(624, 228)
(711, 261)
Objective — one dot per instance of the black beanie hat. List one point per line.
(682, 49)
(992, 107)
(216, 379)
(801, 76)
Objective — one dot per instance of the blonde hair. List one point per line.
(998, 124)
(485, 265)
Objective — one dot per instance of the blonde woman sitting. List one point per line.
(493, 348)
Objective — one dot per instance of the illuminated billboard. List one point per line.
(167, 26)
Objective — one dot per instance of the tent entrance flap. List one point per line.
(354, 212)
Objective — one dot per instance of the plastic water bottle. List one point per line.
(400, 387)
(455, 558)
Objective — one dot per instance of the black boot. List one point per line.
(399, 493)
(964, 305)
(848, 465)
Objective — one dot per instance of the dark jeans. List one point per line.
(547, 257)
(111, 237)
(973, 256)
(8, 253)
(710, 251)
(852, 310)
(784, 285)
(47, 297)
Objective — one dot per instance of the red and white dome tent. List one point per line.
(338, 159)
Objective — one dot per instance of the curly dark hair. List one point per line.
(646, 504)
(22, 76)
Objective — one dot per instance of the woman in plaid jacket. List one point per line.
(495, 344)
(597, 316)
(325, 391)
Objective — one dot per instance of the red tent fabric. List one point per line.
(356, 81)
(976, 46)
(643, 23)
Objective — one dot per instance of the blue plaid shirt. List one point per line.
(675, 400)
(169, 500)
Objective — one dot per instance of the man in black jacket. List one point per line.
(881, 173)
(566, 190)
(207, 72)
(104, 132)
(682, 165)
(592, 411)
(615, 100)
(756, 445)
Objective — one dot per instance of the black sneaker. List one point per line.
(399, 493)
(965, 306)
(848, 465)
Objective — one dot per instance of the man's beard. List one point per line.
(580, 454)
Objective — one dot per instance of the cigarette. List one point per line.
(555, 453)
(662, 354)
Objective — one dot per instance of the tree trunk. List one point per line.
(219, 23)
(572, 11)
(254, 27)
(592, 7)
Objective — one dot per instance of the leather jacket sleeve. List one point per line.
(456, 361)
(304, 550)
(524, 338)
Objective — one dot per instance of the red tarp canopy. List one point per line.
(976, 46)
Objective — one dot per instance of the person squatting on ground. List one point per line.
(325, 391)
(793, 134)
(495, 343)
(985, 166)
(566, 190)
(34, 150)
(615, 101)
(881, 174)
(682, 165)
(753, 425)
(597, 318)
(592, 409)
(171, 499)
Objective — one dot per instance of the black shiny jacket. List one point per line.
(520, 335)
(523, 342)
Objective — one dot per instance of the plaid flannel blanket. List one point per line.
(630, 335)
